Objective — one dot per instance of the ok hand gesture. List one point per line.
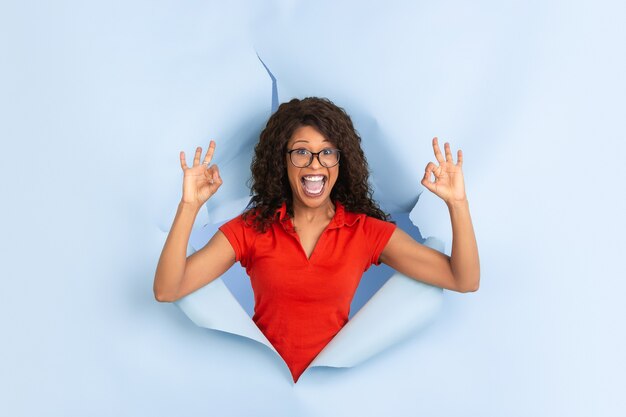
(200, 181)
(448, 184)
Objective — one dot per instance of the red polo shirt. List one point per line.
(300, 304)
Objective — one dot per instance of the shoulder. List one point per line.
(372, 225)
(350, 218)
(373, 233)
(240, 224)
(365, 221)
(241, 234)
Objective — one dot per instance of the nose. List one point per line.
(315, 163)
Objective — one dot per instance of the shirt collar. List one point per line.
(341, 217)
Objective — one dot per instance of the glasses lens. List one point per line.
(300, 157)
(329, 157)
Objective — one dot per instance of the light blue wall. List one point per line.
(98, 98)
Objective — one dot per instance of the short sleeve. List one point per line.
(241, 238)
(378, 232)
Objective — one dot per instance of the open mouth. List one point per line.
(313, 185)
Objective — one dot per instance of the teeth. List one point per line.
(313, 177)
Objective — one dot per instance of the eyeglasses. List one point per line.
(302, 158)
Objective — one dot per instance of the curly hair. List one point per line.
(270, 190)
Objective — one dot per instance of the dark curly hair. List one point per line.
(270, 190)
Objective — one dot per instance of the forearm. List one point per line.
(464, 256)
(171, 267)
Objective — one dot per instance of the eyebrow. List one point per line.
(306, 141)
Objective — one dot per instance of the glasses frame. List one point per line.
(313, 154)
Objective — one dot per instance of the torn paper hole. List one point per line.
(399, 309)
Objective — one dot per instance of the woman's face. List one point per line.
(311, 185)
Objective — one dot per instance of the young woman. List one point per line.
(311, 230)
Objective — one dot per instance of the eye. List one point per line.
(301, 152)
(328, 151)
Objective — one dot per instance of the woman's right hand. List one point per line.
(200, 181)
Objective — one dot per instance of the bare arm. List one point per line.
(459, 272)
(171, 267)
(176, 275)
(464, 259)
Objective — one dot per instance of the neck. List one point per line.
(322, 213)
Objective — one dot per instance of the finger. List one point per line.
(459, 158)
(216, 174)
(208, 174)
(428, 171)
(196, 158)
(216, 177)
(437, 151)
(426, 182)
(446, 147)
(209, 154)
(426, 176)
(213, 175)
(431, 167)
(214, 181)
(183, 163)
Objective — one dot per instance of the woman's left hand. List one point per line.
(448, 184)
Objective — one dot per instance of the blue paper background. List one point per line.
(98, 98)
